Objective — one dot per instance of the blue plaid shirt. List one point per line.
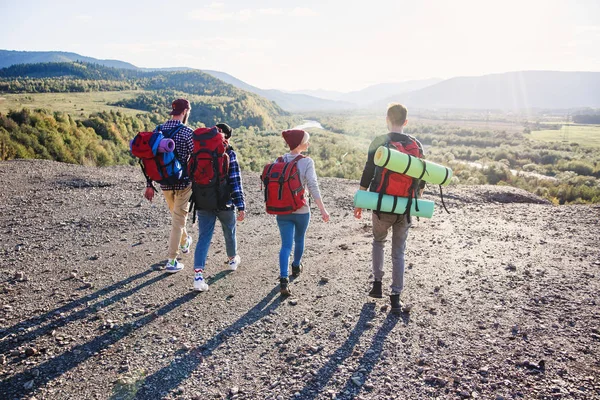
(235, 181)
(184, 147)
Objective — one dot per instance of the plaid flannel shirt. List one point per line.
(235, 182)
(184, 147)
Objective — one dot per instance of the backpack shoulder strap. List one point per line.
(171, 132)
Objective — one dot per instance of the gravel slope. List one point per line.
(503, 296)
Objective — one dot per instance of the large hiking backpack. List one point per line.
(399, 184)
(282, 186)
(163, 168)
(208, 169)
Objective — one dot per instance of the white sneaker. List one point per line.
(234, 262)
(200, 284)
(173, 266)
(186, 247)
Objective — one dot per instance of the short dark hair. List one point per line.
(226, 129)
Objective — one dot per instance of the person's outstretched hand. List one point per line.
(325, 215)
(358, 213)
(149, 193)
(241, 215)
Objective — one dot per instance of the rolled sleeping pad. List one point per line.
(403, 163)
(368, 200)
(166, 146)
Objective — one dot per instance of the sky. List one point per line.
(340, 45)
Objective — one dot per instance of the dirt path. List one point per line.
(504, 295)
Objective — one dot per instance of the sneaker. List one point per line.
(173, 266)
(376, 291)
(234, 262)
(200, 284)
(284, 289)
(396, 306)
(186, 247)
(296, 270)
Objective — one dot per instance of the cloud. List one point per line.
(271, 11)
(303, 12)
(217, 13)
(204, 44)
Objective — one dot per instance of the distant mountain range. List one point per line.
(288, 101)
(506, 91)
(372, 94)
(11, 57)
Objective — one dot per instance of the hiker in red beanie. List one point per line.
(293, 212)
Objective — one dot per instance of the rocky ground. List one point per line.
(501, 299)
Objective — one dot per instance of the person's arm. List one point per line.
(368, 172)
(313, 187)
(422, 183)
(237, 191)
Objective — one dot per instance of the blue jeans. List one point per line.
(206, 227)
(292, 228)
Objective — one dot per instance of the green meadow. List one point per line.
(584, 135)
(78, 105)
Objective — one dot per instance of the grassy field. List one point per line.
(79, 105)
(584, 135)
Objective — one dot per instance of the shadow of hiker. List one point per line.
(216, 277)
(168, 378)
(55, 367)
(371, 357)
(6, 346)
(313, 388)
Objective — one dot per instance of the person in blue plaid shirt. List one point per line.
(227, 217)
(178, 194)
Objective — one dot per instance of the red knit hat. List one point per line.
(294, 137)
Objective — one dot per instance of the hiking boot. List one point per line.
(200, 284)
(234, 262)
(185, 248)
(173, 266)
(296, 270)
(396, 306)
(376, 291)
(284, 289)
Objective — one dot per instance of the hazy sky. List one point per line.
(336, 45)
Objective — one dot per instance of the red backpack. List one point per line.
(398, 184)
(161, 167)
(283, 188)
(208, 169)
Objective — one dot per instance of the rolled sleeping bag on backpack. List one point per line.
(166, 146)
(403, 163)
(368, 200)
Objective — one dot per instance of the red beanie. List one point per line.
(293, 137)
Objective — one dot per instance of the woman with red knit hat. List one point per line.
(293, 227)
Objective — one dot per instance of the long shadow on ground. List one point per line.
(371, 357)
(315, 386)
(81, 314)
(159, 384)
(53, 368)
(40, 319)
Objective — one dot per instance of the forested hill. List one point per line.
(12, 57)
(101, 138)
(212, 99)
